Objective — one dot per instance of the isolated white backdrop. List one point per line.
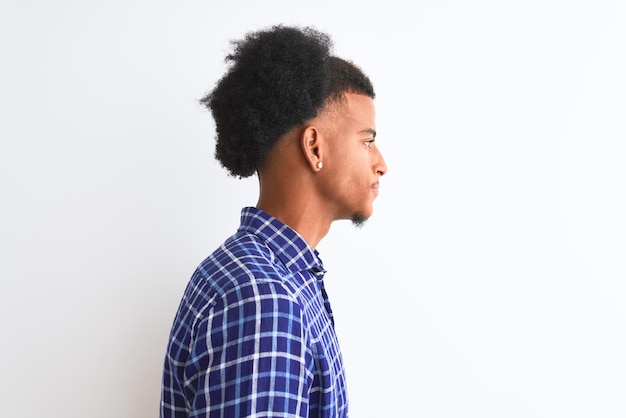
(489, 283)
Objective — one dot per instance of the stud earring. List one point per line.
(320, 165)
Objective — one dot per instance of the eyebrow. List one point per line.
(368, 131)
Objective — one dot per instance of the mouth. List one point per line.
(375, 188)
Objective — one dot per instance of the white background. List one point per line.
(489, 283)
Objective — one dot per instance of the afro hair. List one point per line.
(277, 79)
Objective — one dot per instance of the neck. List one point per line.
(294, 205)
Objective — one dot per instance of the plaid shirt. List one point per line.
(254, 334)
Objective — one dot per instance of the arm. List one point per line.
(250, 355)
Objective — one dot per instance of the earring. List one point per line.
(320, 165)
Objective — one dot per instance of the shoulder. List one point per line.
(243, 256)
(242, 267)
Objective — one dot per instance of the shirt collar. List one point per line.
(290, 248)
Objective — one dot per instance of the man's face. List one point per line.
(352, 163)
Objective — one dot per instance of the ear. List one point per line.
(312, 144)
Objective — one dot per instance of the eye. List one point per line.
(368, 143)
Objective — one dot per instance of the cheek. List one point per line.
(357, 181)
(350, 171)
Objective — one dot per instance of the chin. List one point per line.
(359, 219)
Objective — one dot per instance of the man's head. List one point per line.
(278, 79)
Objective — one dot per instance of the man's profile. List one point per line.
(254, 333)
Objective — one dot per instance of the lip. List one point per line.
(375, 188)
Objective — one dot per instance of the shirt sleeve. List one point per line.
(250, 356)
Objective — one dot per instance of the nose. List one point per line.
(381, 166)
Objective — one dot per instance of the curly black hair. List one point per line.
(277, 79)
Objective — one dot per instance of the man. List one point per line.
(254, 333)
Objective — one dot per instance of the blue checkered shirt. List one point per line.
(254, 333)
